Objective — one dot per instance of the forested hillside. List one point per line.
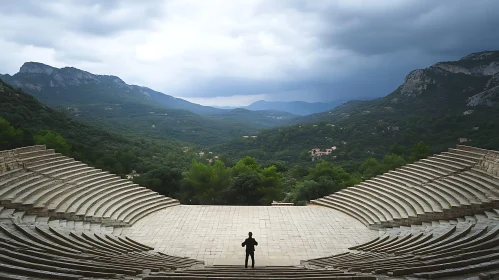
(437, 105)
(26, 121)
(110, 103)
(172, 168)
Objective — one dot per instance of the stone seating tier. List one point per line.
(432, 250)
(48, 253)
(58, 187)
(439, 217)
(445, 186)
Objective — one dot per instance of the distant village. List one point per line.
(316, 153)
(208, 156)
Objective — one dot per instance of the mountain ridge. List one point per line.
(108, 100)
(438, 105)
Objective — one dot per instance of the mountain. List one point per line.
(98, 147)
(69, 85)
(445, 87)
(300, 108)
(109, 102)
(437, 105)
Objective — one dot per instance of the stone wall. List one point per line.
(473, 149)
(489, 162)
(8, 159)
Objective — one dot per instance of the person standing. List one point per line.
(250, 244)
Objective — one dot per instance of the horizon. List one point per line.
(218, 53)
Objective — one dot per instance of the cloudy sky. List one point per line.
(227, 52)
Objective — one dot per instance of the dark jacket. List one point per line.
(250, 244)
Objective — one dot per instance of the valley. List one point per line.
(202, 154)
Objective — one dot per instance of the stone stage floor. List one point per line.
(285, 234)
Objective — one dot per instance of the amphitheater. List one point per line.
(435, 218)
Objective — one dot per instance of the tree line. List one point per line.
(247, 182)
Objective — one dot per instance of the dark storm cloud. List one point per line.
(403, 36)
(445, 27)
(295, 49)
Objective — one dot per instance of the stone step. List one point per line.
(452, 159)
(446, 162)
(28, 190)
(342, 208)
(41, 159)
(144, 205)
(30, 154)
(71, 175)
(51, 164)
(469, 191)
(380, 210)
(8, 192)
(80, 202)
(5, 176)
(440, 167)
(469, 154)
(389, 211)
(428, 203)
(416, 172)
(368, 214)
(114, 204)
(97, 203)
(462, 196)
(408, 198)
(367, 188)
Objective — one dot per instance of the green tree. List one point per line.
(328, 170)
(370, 168)
(10, 137)
(244, 190)
(323, 179)
(245, 165)
(53, 140)
(270, 185)
(164, 180)
(397, 149)
(392, 161)
(205, 183)
(420, 150)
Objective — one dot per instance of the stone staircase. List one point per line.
(273, 272)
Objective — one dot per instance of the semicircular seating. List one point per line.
(46, 184)
(433, 250)
(444, 186)
(438, 217)
(50, 253)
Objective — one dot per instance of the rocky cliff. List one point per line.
(34, 75)
(472, 81)
(489, 97)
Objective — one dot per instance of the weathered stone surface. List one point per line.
(285, 234)
(415, 83)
